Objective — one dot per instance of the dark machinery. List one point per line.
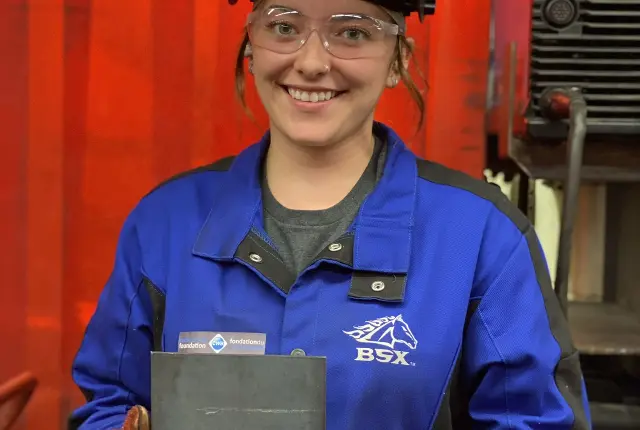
(568, 112)
(557, 104)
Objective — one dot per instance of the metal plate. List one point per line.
(613, 161)
(604, 329)
(232, 392)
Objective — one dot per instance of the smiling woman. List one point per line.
(367, 35)
(426, 290)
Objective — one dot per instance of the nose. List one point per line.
(312, 60)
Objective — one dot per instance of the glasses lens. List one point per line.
(346, 36)
(355, 36)
(279, 30)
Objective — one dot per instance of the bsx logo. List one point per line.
(390, 339)
(217, 343)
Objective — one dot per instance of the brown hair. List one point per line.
(403, 46)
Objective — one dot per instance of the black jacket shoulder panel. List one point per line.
(439, 174)
(221, 165)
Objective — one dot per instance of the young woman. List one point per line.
(426, 290)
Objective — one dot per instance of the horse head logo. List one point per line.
(386, 331)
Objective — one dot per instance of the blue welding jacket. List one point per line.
(435, 310)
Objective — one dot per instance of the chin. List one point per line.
(312, 140)
(311, 132)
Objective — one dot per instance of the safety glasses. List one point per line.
(347, 36)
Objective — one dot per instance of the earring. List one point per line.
(251, 66)
(394, 82)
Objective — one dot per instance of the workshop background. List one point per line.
(100, 100)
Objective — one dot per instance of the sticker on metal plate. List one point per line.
(230, 343)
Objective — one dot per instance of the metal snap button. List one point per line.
(377, 286)
(335, 247)
(255, 258)
(298, 352)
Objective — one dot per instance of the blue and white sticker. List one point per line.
(230, 343)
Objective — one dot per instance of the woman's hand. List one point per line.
(137, 419)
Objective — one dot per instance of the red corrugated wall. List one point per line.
(99, 101)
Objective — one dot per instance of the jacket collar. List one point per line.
(381, 232)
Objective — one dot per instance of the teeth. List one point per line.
(312, 97)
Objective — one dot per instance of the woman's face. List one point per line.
(292, 86)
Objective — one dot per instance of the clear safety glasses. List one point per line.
(346, 36)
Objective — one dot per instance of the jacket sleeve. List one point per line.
(518, 351)
(112, 367)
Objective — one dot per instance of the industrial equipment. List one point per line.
(567, 110)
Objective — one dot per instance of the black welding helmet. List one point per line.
(407, 7)
(400, 8)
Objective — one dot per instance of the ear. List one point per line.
(393, 80)
(394, 71)
(394, 75)
(406, 52)
(248, 51)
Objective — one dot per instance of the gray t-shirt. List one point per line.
(300, 235)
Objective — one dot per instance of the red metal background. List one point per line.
(102, 99)
(512, 26)
(458, 77)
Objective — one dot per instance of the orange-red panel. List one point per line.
(173, 84)
(14, 114)
(44, 198)
(77, 294)
(205, 62)
(456, 112)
